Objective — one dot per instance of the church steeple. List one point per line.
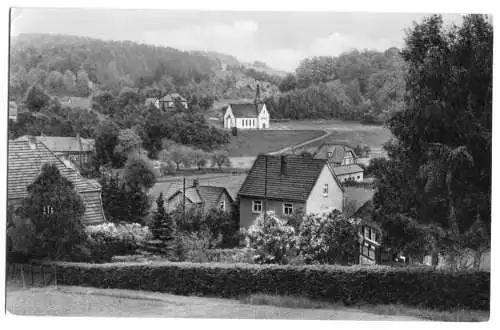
(258, 100)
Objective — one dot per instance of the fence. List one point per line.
(31, 275)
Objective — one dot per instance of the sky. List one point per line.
(280, 39)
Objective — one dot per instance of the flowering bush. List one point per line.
(328, 239)
(128, 231)
(108, 239)
(272, 239)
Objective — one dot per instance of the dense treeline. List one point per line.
(434, 193)
(67, 65)
(366, 86)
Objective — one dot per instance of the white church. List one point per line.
(247, 115)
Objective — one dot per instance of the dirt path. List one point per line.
(80, 301)
(327, 134)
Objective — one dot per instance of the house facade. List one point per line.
(288, 183)
(343, 160)
(352, 172)
(168, 101)
(76, 150)
(25, 160)
(13, 111)
(204, 198)
(152, 101)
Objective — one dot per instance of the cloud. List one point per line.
(216, 36)
(337, 43)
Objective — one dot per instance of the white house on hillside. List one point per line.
(247, 115)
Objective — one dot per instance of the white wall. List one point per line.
(358, 177)
(317, 202)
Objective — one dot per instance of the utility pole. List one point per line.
(265, 190)
(184, 199)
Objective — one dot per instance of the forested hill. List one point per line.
(63, 64)
(367, 86)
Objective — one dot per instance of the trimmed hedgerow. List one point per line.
(356, 284)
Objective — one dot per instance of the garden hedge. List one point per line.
(424, 287)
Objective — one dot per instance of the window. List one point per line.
(359, 177)
(287, 208)
(330, 154)
(373, 235)
(257, 206)
(222, 205)
(325, 190)
(367, 232)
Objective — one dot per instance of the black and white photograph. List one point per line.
(248, 164)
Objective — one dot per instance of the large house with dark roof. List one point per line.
(287, 183)
(168, 101)
(247, 115)
(202, 197)
(343, 161)
(77, 150)
(25, 160)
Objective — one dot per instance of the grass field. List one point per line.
(351, 133)
(252, 143)
(87, 301)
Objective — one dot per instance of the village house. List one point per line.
(288, 183)
(371, 249)
(74, 102)
(343, 161)
(204, 198)
(25, 160)
(247, 115)
(13, 111)
(169, 100)
(152, 101)
(76, 150)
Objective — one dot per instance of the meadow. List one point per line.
(294, 132)
(252, 143)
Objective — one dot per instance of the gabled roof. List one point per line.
(63, 143)
(246, 110)
(348, 169)
(25, 163)
(208, 195)
(301, 176)
(173, 97)
(364, 213)
(338, 151)
(151, 100)
(75, 101)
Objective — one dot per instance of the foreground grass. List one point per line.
(456, 315)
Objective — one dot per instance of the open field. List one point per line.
(252, 143)
(86, 301)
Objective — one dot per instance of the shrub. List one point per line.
(328, 239)
(108, 240)
(272, 239)
(422, 287)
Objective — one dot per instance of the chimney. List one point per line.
(283, 165)
(196, 183)
(32, 142)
